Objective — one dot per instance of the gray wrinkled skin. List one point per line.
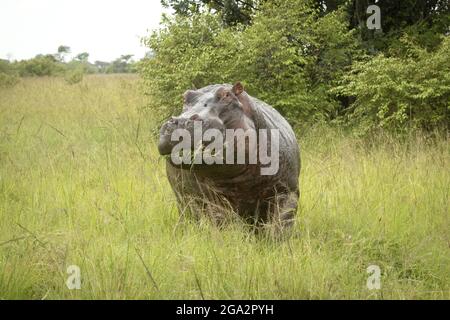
(217, 190)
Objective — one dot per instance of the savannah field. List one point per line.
(81, 183)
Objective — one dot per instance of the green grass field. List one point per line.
(81, 183)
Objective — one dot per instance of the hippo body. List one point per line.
(218, 189)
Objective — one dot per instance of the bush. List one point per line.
(7, 80)
(400, 93)
(180, 59)
(8, 74)
(40, 66)
(74, 76)
(309, 64)
(290, 56)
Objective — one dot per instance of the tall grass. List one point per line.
(81, 183)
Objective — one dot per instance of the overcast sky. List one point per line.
(105, 29)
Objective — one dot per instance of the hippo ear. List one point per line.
(238, 88)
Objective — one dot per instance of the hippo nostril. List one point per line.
(195, 117)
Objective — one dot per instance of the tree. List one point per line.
(124, 64)
(232, 12)
(314, 61)
(427, 19)
(41, 65)
(82, 57)
(289, 57)
(396, 14)
(63, 51)
(102, 66)
(8, 74)
(399, 93)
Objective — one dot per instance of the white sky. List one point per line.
(105, 29)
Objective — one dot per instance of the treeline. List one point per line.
(58, 64)
(316, 61)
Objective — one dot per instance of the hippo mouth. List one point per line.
(166, 141)
(165, 144)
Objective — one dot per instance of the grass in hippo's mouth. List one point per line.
(82, 184)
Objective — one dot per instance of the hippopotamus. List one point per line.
(218, 189)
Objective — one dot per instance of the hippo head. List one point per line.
(217, 107)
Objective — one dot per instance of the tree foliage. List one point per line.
(41, 65)
(392, 92)
(8, 74)
(231, 12)
(289, 57)
(315, 61)
(56, 65)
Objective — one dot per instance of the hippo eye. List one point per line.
(205, 105)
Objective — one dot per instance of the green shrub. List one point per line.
(308, 64)
(74, 76)
(289, 57)
(179, 59)
(40, 66)
(400, 93)
(292, 56)
(8, 80)
(8, 74)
